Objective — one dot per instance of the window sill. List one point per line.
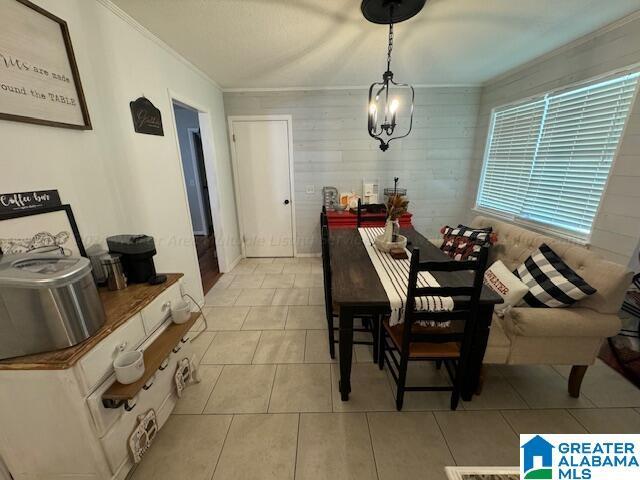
(536, 227)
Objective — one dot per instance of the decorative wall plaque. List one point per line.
(146, 117)
(15, 202)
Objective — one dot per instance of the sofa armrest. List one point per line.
(560, 322)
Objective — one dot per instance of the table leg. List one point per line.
(476, 355)
(346, 350)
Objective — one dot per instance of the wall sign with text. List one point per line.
(39, 79)
(146, 117)
(16, 202)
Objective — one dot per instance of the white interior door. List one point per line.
(264, 186)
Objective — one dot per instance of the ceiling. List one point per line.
(328, 43)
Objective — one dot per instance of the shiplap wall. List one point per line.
(331, 147)
(617, 226)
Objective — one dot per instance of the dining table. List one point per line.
(357, 291)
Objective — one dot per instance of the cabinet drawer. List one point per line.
(96, 365)
(160, 309)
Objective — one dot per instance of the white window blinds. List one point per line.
(547, 160)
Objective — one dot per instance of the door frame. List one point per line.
(234, 163)
(208, 149)
(196, 170)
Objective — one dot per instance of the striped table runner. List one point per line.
(394, 276)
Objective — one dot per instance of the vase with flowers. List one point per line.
(396, 207)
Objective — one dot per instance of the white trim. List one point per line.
(340, 87)
(234, 164)
(109, 5)
(457, 473)
(207, 136)
(567, 46)
(197, 179)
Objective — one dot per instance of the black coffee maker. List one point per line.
(137, 257)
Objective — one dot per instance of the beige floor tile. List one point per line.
(317, 347)
(301, 388)
(363, 353)
(186, 447)
(259, 447)
(370, 390)
(280, 346)
(232, 348)
(334, 446)
(244, 267)
(479, 438)
(247, 280)
(266, 318)
(306, 318)
(497, 394)
(541, 386)
(221, 297)
(316, 268)
(285, 260)
(278, 280)
(291, 296)
(607, 388)
(255, 297)
(315, 260)
(269, 268)
(201, 344)
(608, 420)
(223, 281)
(406, 444)
(542, 421)
(316, 296)
(195, 396)
(307, 280)
(257, 260)
(297, 268)
(225, 318)
(242, 389)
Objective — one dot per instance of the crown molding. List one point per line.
(352, 87)
(567, 46)
(113, 8)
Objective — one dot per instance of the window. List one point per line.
(548, 159)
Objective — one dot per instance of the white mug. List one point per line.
(180, 311)
(129, 367)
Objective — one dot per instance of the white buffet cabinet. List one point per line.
(53, 424)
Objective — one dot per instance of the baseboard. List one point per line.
(233, 264)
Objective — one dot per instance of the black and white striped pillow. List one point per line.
(551, 282)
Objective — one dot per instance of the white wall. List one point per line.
(617, 227)
(188, 119)
(332, 148)
(116, 180)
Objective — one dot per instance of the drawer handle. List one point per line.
(149, 383)
(177, 348)
(166, 306)
(122, 347)
(164, 364)
(185, 339)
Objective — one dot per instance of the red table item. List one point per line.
(346, 219)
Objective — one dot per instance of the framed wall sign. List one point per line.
(146, 117)
(14, 202)
(44, 230)
(39, 80)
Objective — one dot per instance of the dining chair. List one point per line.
(371, 219)
(369, 325)
(449, 345)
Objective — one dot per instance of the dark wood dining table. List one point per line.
(357, 290)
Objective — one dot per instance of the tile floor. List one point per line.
(268, 406)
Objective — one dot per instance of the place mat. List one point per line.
(483, 473)
(394, 276)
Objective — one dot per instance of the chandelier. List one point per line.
(385, 97)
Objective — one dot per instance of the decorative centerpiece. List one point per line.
(391, 238)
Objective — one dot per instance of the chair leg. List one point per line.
(381, 347)
(332, 338)
(375, 332)
(575, 379)
(402, 379)
(438, 364)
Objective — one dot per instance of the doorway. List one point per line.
(198, 194)
(261, 148)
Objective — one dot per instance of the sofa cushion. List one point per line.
(464, 243)
(505, 284)
(514, 244)
(553, 322)
(551, 282)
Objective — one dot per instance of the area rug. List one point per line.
(483, 473)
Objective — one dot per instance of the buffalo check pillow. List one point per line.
(551, 282)
(464, 243)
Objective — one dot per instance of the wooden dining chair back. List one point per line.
(444, 336)
(370, 325)
(365, 219)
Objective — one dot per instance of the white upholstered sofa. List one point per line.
(555, 336)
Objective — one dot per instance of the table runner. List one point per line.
(394, 276)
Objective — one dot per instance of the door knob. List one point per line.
(286, 202)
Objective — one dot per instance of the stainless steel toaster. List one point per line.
(47, 302)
